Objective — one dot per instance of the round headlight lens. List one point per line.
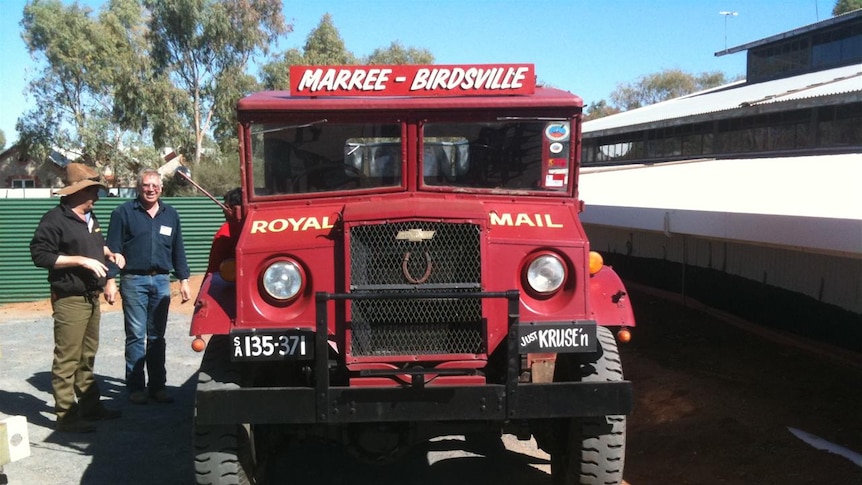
(546, 274)
(282, 280)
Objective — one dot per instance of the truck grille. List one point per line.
(407, 258)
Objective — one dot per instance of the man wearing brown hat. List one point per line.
(70, 244)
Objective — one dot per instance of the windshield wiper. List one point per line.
(289, 127)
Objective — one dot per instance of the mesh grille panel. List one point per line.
(407, 257)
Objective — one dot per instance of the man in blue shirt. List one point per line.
(147, 232)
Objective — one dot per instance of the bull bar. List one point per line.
(323, 403)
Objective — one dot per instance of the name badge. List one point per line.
(165, 230)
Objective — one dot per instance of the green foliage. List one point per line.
(598, 110)
(141, 74)
(323, 46)
(398, 54)
(2, 140)
(215, 175)
(204, 47)
(845, 6)
(88, 64)
(662, 86)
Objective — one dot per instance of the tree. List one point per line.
(323, 46)
(598, 110)
(662, 86)
(844, 6)
(204, 48)
(85, 61)
(398, 54)
(2, 140)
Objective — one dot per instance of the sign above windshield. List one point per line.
(413, 80)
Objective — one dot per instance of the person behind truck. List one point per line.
(225, 238)
(147, 232)
(69, 243)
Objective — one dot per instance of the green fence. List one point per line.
(20, 280)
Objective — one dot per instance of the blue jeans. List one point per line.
(145, 306)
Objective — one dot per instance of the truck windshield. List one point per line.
(325, 157)
(508, 155)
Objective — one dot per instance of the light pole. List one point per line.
(727, 14)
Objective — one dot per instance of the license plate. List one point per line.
(569, 337)
(287, 344)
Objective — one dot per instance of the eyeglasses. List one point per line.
(151, 186)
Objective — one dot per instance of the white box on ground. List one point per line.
(14, 439)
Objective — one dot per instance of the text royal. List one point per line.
(291, 224)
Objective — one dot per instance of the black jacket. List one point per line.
(61, 231)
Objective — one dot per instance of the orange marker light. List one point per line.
(624, 336)
(596, 262)
(198, 344)
(227, 268)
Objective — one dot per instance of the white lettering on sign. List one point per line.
(292, 224)
(412, 80)
(523, 219)
(561, 337)
(473, 78)
(316, 80)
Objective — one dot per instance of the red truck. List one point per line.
(408, 262)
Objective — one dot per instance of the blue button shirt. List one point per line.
(148, 243)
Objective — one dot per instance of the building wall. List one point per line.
(44, 175)
(815, 295)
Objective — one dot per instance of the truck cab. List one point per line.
(410, 263)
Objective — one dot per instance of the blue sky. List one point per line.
(587, 47)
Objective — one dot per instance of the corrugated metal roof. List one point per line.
(839, 19)
(846, 80)
(812, 202)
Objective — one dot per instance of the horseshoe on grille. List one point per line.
(406, 271)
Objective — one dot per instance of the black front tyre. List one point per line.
(224, 454)
(591, 451)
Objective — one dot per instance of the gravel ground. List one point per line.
(149, 444)
(715, 399)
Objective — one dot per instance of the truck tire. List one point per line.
(591, 451)
(224, 454)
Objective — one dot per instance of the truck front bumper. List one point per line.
(431, 403)
(324, 403)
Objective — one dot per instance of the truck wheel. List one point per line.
(224, 454)
(591, 451)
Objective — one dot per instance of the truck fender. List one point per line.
(609, 299)
(215, 307)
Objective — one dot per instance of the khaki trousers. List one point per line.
(76, 340)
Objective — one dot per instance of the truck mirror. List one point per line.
(182, 176)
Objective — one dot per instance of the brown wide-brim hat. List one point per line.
(78, 177)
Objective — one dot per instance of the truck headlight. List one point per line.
(283, 280)
(546, 274)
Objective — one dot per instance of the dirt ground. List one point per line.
(716, 399)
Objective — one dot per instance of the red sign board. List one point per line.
(413, 80)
